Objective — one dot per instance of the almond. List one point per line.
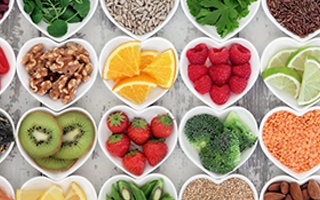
(314, 189)
(274, 187)
(295, 191)
(288, 197)
(304, 186)
(305, 194)
(284, 187)
(273, 196)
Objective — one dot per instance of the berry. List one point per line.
(220, 95)
(118, 144)
(198, 54)
(161, 126)
(237, 84)
(117, 122)
(155, 151)
(243, 70)
(203, 85)
(196, 71)
(139, 131)
(220, 74)
(239, 54)
(134, 161)
(219, 56)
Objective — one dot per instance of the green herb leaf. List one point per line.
(83, 9)
(194, 7)
(39, 4)
(29, 7)
(64, 3)
(36, 15)
(58, 28)
(70, 15)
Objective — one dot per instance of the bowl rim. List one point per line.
(8, 184)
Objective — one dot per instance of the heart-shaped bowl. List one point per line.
(6, 79)
(254, 62)
(148, 34)
(203, 176)
(7, 187)
(274, 47)
(45, 99)
(211, 31)
(192, 153)
(146, 114)
(7, 13)
(72, 27)
(42, 183)
(168, 185)
(59, 175)
(155, 43)
(9, 149)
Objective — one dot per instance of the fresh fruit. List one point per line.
(28, 194)
(4, 195)
(155, 151)
(220, 95)
(139, 131)
(203, 84)
(198, 54)
(237, 84)
(134, 161)
(135, 89)
(75, 192)
(243, 70)
(53, 192)
(54, 164)
(220, 74)
(161, 126)
(123, 61)
(163, 69)
(40, 134)
(4, 64)
(280, 58)
(298, 59)
(239, 54)
(147, 57)
(219, 56)
(196, 71)
(117, 122)
(118, 144)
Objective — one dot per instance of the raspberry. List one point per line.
(243, 70)
(198, 54)
(239, 54)
(219, 56)
(220, 95)
(203, 85)
(237, 84)
(196, 71)
(220, 74)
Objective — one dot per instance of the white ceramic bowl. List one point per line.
(45, 99)
(168, 185)
(275, 46)
(146, 114)
(199, 176)
(6, 79)
(52, 174)
(42, 183)
(72, 27)
(155, 43)
(7, 152)
(146, 35)
(193, 154)
(211, 30)
(7, 187)
(287, 170)
(6, 14)
(254, 62)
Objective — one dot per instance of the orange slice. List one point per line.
(147, 56)
(28, 194)
(163, 69)
(54, 192)
(75, 192)
(123, 61)
(135, 89)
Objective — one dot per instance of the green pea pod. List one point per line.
(108, 197)
(137, 193)
(147, 188)
(167, 196)
(114, 193)
(124, 190)
(157, 190)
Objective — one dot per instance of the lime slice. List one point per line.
(310, 87)
(280, 59)
(298, 59)
(284, 79)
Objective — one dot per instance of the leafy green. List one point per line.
(36, 15)
(58, 28)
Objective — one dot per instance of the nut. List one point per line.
(288, 197)
(273, 196)
(295, 191)
(284, 187)
(305, 194)
(274, 187)
(314, 189)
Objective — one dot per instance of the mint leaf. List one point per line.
(194, 7)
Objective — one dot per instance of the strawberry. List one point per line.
(219, 56)
(243, 70)
(220, 74)
(237, 84)
(118, 144)
(134, 161)
(196, 71)
(203, 85)
(161, 126)
(198, 54)
(139, 131)
(155, 151)
(239, 54)
(220, 95)
(117, 122)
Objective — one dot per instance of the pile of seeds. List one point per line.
(204, 189)
(301, 17)
(139, 16)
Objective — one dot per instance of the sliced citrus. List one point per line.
(163, 69)
(135, 89)
(54, 192)
(28, 194)
(123, 61)
(75, 192)
(147, 56)
(280, 59)
(298, 59)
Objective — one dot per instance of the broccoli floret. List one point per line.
(246, 138)
(222, 154)
(200, 129)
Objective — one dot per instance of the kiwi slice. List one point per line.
(54, 164)
(40, 134)
(78, 135)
